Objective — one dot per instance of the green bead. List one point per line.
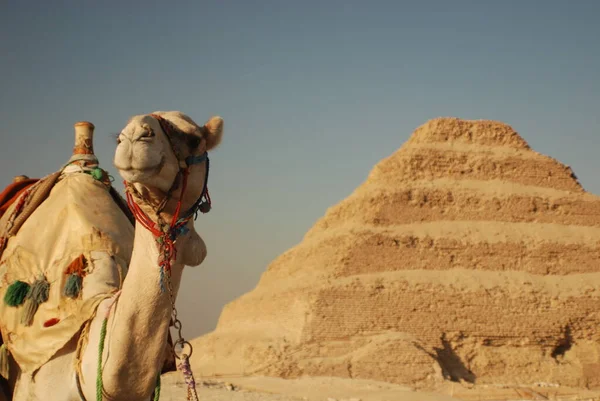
(97, 173)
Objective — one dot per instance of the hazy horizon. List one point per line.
(313, 95)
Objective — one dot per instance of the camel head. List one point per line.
(154, 149)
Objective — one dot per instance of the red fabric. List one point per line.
(12, 192)
(51, 322)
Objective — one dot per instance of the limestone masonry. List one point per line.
(464, 256)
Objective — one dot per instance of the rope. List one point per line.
(82, 157)
(157, 389)
(165, 238)
(103, 330)
(186, 369)
(87, 164)
(99, 384)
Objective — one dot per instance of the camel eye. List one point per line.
(193, 141)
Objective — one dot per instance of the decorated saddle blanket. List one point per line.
(68, 255)
(12, 192)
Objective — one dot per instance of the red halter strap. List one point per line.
(166, 235)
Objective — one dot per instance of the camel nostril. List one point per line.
(147, 135)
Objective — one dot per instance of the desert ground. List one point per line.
(337, 389)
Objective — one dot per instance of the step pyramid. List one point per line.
(464, 256)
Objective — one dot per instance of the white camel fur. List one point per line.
(139, 320)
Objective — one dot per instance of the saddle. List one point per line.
(12, 192)
(22, 183)
(20, 199)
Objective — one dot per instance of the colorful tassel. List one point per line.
(73, 286)
(29, 310)
(77, 266)
(4, 362)
(16, 293)
(40, 290)
(76, 272)
(38, 294)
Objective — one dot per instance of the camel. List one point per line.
(129, 305)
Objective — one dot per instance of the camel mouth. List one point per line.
(132, 174)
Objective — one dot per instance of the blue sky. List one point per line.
(313, 94)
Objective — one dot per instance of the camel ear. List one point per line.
(213, 132)
(194, 252)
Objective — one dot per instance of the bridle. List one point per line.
(166, 235)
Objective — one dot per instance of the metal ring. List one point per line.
(181, 342)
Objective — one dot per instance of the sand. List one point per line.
(331, 388)
(302, 389)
